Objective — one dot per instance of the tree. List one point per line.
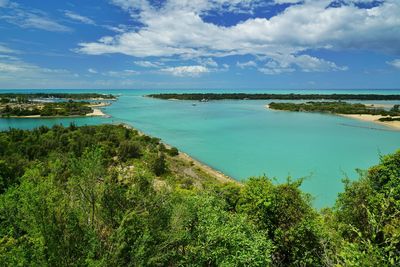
(368, 214)
(285, 213)
(86, 181)
(204, 234)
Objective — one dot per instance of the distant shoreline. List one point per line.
(362, 117)
(267, 96)
(374, 119)
(97, 112)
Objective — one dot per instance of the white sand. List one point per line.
(96, 112)
(374, 119)
(366, 117)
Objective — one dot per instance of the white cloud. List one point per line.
(207, 62)
(93, 71)
(298, 29)
(148, 64)
(6, 67)
(273, 67)
(120, 74)
(6, 50)
(79, 18)
(30, 18)
(394, 63)
(247, 64)
(181, 71)
(118, 29)
(288, 1)
(15, 71)
(199, 6)
(289, 63)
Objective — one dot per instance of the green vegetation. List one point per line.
(26, 98)
(109, 196)
(389, 119)
(335, 107)
(69, 108)
(244, 96)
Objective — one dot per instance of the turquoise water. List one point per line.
(243, 139)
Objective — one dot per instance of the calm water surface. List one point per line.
(243, 139)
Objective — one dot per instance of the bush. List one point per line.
(158, 166)
(173, 152)
(128, 150)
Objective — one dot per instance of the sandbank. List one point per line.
(364, 117)
(374, 119)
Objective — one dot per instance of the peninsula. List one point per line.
(52, 105)
(262, 96)
(388, 117)
(12, 97)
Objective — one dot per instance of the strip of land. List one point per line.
(371, 113)
(194, 163)
(244, 96)
(21, 97)
(46, 106)
(374, 119)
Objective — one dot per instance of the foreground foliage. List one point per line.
(108, 196)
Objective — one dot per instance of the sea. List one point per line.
(243, 139)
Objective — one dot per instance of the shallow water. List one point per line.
(243, 139)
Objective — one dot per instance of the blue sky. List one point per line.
(316, 44)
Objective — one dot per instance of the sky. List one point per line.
(195, 44)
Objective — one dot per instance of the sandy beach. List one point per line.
(365, 117)
(96, 112)
(374, 119)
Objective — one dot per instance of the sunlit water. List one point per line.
(243, 138)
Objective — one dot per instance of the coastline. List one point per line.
(395, 125)
(97, 112)
(374, 119)
(221, 177)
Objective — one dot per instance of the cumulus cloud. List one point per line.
(181, 71)
(305, 63)
(199, 6)
(248, 64)
(299, 28)
(79, 18)
(394, 63)
(207, 62)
